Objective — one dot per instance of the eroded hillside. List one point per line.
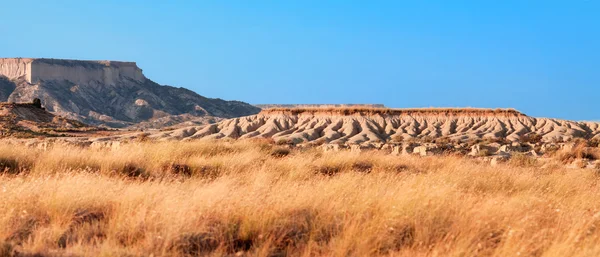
(366, 126)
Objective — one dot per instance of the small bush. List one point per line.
(292, 141)
(196, 244)
(522, 160)
(142, 137)
(427, 139)
(397, 138)
(178, 169)
(579, 151)
(131, 170)
(483, 153)
(283, 142)
(362, 166)
(328, 169)
(7, 250)
(594, 142)
(443, 141)
(10, 166)
(532, 138)
(280, 152)
(499, 140)
(320, 141)
(209, 171)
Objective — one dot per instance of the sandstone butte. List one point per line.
(110, 93)
(374, 126)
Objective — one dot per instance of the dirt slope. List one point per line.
(27, 120)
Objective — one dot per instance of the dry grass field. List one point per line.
(251, 198)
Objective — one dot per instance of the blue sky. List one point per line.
(540, 57)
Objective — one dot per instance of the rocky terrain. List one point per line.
(374, 126)
(493, 135)
(115, 94)
(26, 120)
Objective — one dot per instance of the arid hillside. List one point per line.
(115, 94)
(27, 120)
(374, 126)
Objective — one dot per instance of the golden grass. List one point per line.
(229, 198)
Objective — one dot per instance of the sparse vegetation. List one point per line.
(532, 138)
(390, 111)
(280, 152)
(523, 160)
(220, 198)
(397, 138)
(580, 150)
(483, 153)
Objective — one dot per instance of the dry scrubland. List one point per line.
(250, 198)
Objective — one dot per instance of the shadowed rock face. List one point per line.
(6, 88)
(106, 92)
(372, 126)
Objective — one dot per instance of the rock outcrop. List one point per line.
(30, 120)
(372, 126)
(112, 93)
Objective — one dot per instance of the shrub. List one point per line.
(499, 140)
(594, 142)
(7, 250)
(178, 169)
(443, 141)
(397, 138)
(209, 171)
(291, 141)
(142, 137)
(483, 153)
(328, 169)
(523, 160)
(362, 166)
(11, 165)
(532, 138)
(131, 170)
(427, 139)
(579, 151)
(280, 152)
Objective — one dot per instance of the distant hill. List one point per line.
(114, 94)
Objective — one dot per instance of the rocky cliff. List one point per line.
(112, 93)
(367, 126)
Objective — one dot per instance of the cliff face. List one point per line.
(113, 93)
(373, 126)
(13, 68)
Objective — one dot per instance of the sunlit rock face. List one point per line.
(112, 93)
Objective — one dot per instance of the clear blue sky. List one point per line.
(541, 57)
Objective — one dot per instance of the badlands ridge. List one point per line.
(374, 126)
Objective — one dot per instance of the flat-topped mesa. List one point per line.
(270, 106)
(78, 72)
(365, 111)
